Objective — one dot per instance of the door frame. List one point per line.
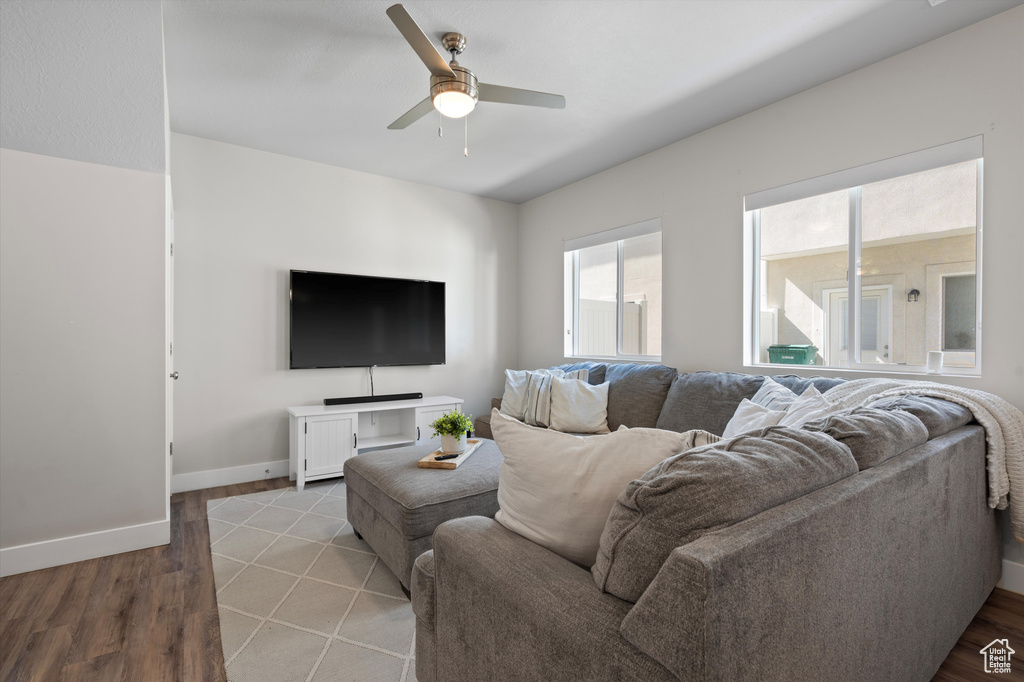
(887, 310)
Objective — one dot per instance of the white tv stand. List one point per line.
(322, 437)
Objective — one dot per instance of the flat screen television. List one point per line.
(340, 320)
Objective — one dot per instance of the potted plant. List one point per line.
(452, 428)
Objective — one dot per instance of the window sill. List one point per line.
(911, 371)
(650, 359)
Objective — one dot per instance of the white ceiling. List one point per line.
(321, 80)
(83, 80)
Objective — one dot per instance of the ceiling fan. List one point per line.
(454, 89)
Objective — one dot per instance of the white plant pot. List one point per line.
(453, 445)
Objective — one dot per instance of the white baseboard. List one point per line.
(211, 478)
(1013, 577)
(37, 555)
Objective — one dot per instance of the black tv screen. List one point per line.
(357, 321)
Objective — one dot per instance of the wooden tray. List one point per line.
(429, 462)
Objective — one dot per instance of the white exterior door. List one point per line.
(330, 440)
(875, 325)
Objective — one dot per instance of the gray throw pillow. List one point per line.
(873, 435)
(636, 393)
(706, 400)
(703, 490)
(938, 416)
(595, 370)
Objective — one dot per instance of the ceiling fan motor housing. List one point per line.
(464, 82)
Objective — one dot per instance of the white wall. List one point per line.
(83, 447)
(967, 83)
(243, 218)
(81, 353)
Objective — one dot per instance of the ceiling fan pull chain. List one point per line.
(439, 119)
(465, 150)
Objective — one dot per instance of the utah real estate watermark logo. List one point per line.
(997, 656)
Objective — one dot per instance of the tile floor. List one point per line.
(300, 597)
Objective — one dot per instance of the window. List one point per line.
(613, 293)
(872, 267)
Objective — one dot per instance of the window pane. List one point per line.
(869, 312)
(958, 313)
(598, 304)
(804, 261)
(641, 295)
(916, 231)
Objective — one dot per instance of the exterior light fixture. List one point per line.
(913, 295)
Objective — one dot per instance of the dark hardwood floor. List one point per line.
(151, 615)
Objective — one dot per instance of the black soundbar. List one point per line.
(372, 398)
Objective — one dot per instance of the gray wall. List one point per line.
(243, 218)
(82, 408)
(967, 83)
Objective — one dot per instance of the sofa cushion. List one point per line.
(637, 393)
(873, 435)
(556, 489)
(705, 400)
(703, 490)
(799, 384)
(938, 416)
(595, 370)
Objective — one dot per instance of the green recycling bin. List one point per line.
(792, 354)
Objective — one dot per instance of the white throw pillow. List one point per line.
(773, 395)
(579, 407)
(809, 406)
(527, 395)
(750, 416)
(557, 489)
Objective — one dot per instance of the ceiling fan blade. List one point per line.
(413, 115)
(530, 98)
(419, 41)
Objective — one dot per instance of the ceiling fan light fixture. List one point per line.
(454, 103)
(454, 97)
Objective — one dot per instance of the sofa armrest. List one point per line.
(422, 588)
(870, 579)
(423, 593)
(482, 427)
(506, 608)
(482, 424)
(668, 621)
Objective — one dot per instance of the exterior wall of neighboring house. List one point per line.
(915, 229)
(641, 292)
(796, 286)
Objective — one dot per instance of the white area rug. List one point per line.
(300, 597)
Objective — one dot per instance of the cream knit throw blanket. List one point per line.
(1004, 429)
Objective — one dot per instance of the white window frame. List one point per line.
(852, 179)
(571, 266)
(935, 274)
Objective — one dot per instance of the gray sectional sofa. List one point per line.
(871, 577)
